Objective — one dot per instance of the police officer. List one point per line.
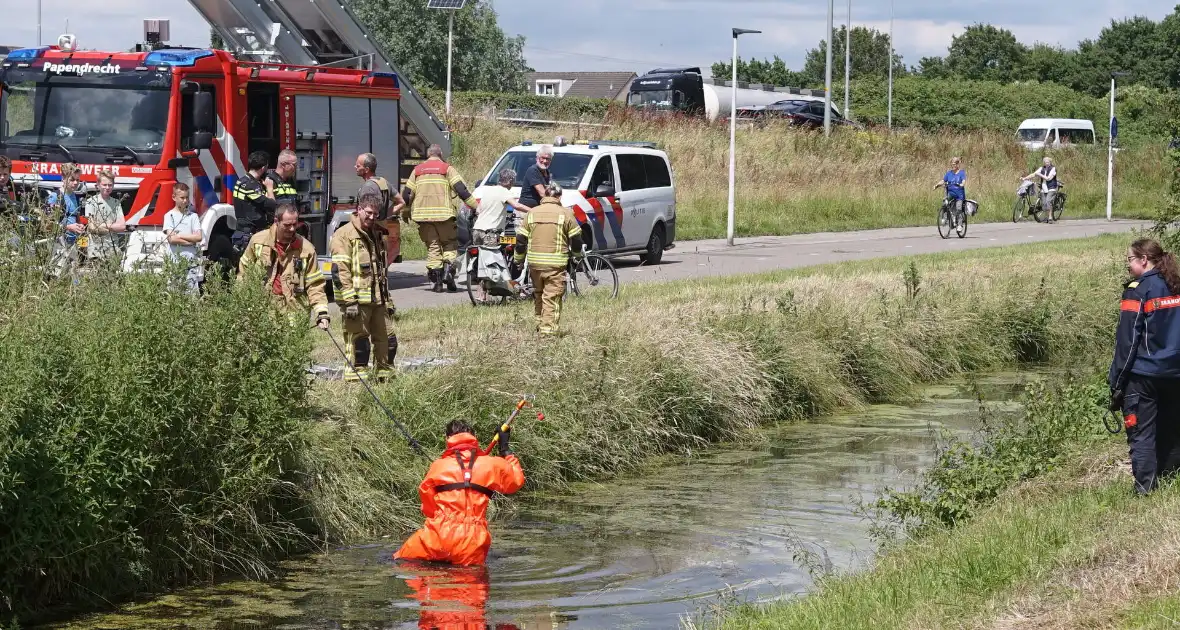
(280, 183)
(429, 193)
(362, 292)
(549, 232)
(254, 206)
(286, 264)
(1145, 374)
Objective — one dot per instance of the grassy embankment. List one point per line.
(153, 440)
(1058, 542)
(792, 182)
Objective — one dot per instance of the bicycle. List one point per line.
(594, 271)
(950, 219)
(1029, 201)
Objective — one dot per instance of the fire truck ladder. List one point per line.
(321, 32)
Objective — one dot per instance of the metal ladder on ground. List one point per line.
(315, 33)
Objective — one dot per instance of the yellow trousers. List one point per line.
(548, 290)
(442, 242)
(367, 340)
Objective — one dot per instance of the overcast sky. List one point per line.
(637, 35)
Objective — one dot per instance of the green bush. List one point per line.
(969, 475)
(146, 436)
(930, 104)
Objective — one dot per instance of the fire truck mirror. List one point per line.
(202, 140)
(203, 112)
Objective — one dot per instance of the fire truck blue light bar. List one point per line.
(445, 4)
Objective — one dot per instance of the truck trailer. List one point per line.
(684, 90)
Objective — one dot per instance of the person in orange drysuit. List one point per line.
(455, 496)
(453, 599)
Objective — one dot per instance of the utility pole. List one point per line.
(828, 72)
(848, 65)
(890, 124)
(733, 136)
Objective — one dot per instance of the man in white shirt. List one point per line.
(182, 233)
(491, 212)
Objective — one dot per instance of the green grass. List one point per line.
(791, 182)
(978, 572)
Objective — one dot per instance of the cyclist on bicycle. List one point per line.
(955, 182)
(1049, 184)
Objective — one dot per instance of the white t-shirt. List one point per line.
(102, 212)
(493, 209)
(183, 223)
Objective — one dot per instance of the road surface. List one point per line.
(702, 259)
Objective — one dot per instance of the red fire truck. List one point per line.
(166, 115)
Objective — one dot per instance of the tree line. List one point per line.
(1149, 50)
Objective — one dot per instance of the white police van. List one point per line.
(622, 193)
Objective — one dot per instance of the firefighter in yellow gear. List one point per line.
(289, 268)
(362, 292)
(429, 194)
(549, 232)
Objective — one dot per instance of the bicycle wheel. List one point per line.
(1018, 209)
(475, 290)
(1036, 210)
(594, 274)
(944, 223)
(961, 228)
(1058, 206)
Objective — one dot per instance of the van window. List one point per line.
(1032, 135)
(632, 173)
(604, 174)
(657, 171)
(1076, 136)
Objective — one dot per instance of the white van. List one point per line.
(622, 193)
(1039, 133)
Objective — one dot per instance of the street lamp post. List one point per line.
(1113, 131)
(848, 64)
(452, 6)
(890, 115)
(828, 72)
(733, 133)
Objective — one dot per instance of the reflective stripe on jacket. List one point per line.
(284, 190)
(253, 210)
(433, 184)
(547, 233)
(1147, 341)
(298, 271)
(358, 264)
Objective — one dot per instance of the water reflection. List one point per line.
(634, 553)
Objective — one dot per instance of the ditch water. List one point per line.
(641, 552)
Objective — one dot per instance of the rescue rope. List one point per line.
(1111, 419)
(389, 414)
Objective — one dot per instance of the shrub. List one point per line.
(146, 436)
(969, 475)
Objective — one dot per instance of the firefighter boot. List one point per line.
(435, 277)
(449, 276)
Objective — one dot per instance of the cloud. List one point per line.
(641, 34)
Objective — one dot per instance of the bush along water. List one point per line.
(1060, 419)
(146, 436)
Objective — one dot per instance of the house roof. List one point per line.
(588, 84)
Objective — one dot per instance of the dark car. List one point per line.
(803, 113)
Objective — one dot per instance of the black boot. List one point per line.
(449, 277)
(435, 277)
